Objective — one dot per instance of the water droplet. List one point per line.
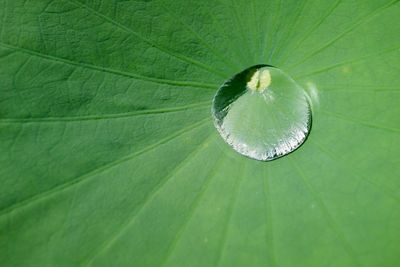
(262, 113)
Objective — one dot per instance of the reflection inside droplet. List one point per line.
(262, 113)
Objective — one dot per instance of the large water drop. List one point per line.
(262, 113)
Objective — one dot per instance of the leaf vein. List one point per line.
(371, 125)
(363, 20)
(109, 116)
(312, 29)
(347, 62)
(148, 41)
(269, 229)
(336, 158)
(223, 239)
(322, 206)
(91, 174)
(111, 71)
(131, 218)
(210, 176)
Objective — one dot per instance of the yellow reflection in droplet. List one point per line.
(260, 80)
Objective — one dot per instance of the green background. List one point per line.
(109, 156)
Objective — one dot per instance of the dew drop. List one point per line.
(262, 113)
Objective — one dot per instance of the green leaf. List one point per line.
(109, 156)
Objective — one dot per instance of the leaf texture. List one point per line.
(109, 157)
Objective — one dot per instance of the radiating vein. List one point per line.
(327, 214)
(368, 124)
(291, 27)
(131, 218)
(227, 62)
(360, 22)
(210, 176)
(108, 70)
(148, 41)
(269, 230)
(264, 33)
(274, 37)
(311, 30)
(335, 158)
(376, 86)
(194, 106)
(93, 173)
(360, 91)
(233, 201)
(256, 26)
(359, 88)
(351, 61)
(241, 27)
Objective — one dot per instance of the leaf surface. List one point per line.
(109, 156)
